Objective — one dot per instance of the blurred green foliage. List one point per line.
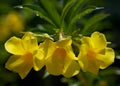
(74, 17)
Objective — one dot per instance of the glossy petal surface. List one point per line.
(14, 46)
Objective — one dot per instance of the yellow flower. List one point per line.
(24, 51)
(14, 22)
(59, 58)
(94, 53)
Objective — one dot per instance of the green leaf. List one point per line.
(42, 29)
(92, 21)
(77, 6)
(51, 10)
(78, 16)
(38, 11)
(66, 9)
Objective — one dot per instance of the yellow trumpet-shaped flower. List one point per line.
(59, 58)
(94, 53)
(11, 23)
(14, 22)
(24, 51)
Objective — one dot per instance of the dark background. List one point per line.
(7, 78)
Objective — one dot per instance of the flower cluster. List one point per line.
(58, 56)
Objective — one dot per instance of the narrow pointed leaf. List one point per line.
(92, 21)
(79, 16)
(51, 10)
(66, 9)
(38, 11)
(77, 6)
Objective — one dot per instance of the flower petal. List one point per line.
(106, 59)
(64, 42)
(82, 56)
(45, 50)
(93, 66)
(72, 69)
(14, 46)
(39, 60)
(99, 40)
(48, 47)
(19, 65)
(30, 42)
(87, 42)
(55, 63)
(59, 57)
(87, 63)
(54, 68)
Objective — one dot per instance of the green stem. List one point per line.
(60, 36)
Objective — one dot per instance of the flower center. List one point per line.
(91, 53)
(60, 53)
(28, 57)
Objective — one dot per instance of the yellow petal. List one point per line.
(70, 53)
(99, 40)
(45, 50)
(72, 69)
(82, 59)
(87, 42)
(64, 42)
(55, 63)
(39, 60)
(14, 46)
(59, 56)
(83, 64)
(20, 64)
(87, 60)
(29, 42)
(48, 47)
(93, 66)
(14, 22)
(106, 59)
(54, 68)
